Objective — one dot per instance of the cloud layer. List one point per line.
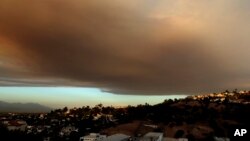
(125, 47)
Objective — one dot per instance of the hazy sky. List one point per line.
(58, 97)
(124, 47)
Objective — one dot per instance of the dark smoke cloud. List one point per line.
(114, 45)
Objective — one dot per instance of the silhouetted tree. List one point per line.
(179, 134)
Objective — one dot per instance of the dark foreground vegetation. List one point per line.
(199, 117)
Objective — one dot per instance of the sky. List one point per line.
(122, 49)
(59, 97)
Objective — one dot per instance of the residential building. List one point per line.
(152, 136)
(118, 137)
(67, 130)
(16, 125)
(94, 137)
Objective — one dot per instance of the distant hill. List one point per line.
(23, 107)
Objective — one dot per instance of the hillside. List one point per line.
(23, 107)
(200, 116)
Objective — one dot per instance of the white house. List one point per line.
(151, 125)
(16, 125)
(67, 130)
(118, 137)
(97, 116)
(94, 137)
(152, 136)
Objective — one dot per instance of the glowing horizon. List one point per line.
(58, 97)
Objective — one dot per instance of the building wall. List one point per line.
(99, 138)
(21, 128)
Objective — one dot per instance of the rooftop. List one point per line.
(117, 137)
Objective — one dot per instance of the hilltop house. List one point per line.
(118, 137)
(67, 130)
(16, 125)
(94, 137)
(152, 136)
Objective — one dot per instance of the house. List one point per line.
(41, 116)
(94, 137)
(16, 125)
(97, 116)
(67, 130)
(150, 125)
(118, 137)
(3, 118)
(152, 136)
